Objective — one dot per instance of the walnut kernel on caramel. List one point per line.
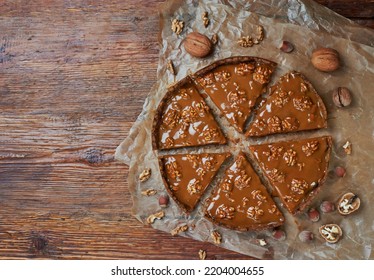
(310, 148)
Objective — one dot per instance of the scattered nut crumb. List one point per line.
(170, 67)
(159, 215)
(149, 192)
(214, 39)
(202, 254)
(145, 175)
(216, 236)
(179, 229)
(177, 26)
(347, 148)
(248, 41)
(205, 19)
(262, 242)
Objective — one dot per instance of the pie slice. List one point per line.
(187, 176)
(295, 169)
(234, 84)
(292, 105)
(183, 119)
(241, 201)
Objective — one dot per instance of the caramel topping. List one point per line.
(187, 176)
(186, 120)
(241, 202)
(293, 105)
(297, 170)
(234, 88)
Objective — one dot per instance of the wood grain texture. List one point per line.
(73, 78)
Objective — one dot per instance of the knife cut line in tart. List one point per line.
(296, 169)
(241, 201)
(186, 176)
(234, 84)
(292, 105)
(183, 119)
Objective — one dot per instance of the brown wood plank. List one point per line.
(73, 78)
(351, 9)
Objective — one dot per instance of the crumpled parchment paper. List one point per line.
(307, 25)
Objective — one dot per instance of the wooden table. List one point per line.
(73, 78)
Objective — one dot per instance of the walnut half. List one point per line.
(331, 232)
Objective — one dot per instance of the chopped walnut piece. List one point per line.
(172, 169)
(225, 212)
(275, 124)
(169, 142)
(149, 192)
(299, 186)
(194, 186)
(262, 74)
(290, 156)
(347, 148)
(274, 153)
(302, 103)
(177, 26)
(257, 195)
(210, 134)
(246, 41)
(159, 215)
(290, 123)
(242, 181)
(145, 175)
(216, 236)
(214, 39)
(262, 242)
(276, 175)
(310, 148)
(255, 212)
(244, 68)
(222, 76)
(303, 87)
(205, 19)
(170, 67)
(177, 230)
(202, 254)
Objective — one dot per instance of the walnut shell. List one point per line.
(325, 59)
(331, 232)
(348, 203)
(197, 45)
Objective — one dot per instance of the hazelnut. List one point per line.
(286, 47)
(348, 203)
(313, 215)
(197, 45)
(340, 171)
(279, 234)
(341, 97)
(331, 232)
(325, 59)
(327, 206)
(163, 200)
(306, 236)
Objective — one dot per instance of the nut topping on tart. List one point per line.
(295, 186)
(187, 176)
(293, 105)
(242, 207)
(235, 84)
(184, 119)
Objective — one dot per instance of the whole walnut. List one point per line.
(197, 44)
(325, 59)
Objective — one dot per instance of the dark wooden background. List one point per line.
(73, 78)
